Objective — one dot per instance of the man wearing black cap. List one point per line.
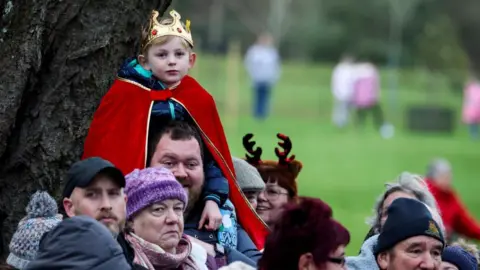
(410, 238)
(94, 188)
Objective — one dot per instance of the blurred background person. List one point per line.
(262, 62)
(366, 97)
(471, 106)
(455, 215)
(342, 89)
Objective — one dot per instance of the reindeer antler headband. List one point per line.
(254, 155)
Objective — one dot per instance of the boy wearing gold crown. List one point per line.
(154, 89)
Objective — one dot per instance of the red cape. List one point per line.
(119, 132)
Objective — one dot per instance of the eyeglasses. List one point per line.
(340, 261)
(273, 194)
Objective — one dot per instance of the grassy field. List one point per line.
(347, 168)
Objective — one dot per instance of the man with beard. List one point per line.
(94, 188)
(178, 147)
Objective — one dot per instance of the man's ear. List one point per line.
(192, 59)
(68, 207)
(383, 260)
(142, 60)
(305, 261)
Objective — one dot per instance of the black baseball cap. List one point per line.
(83, 172)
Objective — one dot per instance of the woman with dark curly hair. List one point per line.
(306, 237)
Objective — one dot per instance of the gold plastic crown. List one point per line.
(156, 30)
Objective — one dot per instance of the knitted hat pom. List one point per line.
(41, 205)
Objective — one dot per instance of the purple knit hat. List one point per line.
(151, 185)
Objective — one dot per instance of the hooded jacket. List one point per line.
(79, 243)
(366, 259)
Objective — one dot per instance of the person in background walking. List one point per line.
(471, 107)
(455, 215)
(262, 62)
(366, 97)
(342, 89)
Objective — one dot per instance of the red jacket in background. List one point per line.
(455, 215)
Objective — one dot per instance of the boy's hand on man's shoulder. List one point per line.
(211, 217)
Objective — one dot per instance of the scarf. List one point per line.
(153, 257)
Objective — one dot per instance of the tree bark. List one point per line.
(58, 59)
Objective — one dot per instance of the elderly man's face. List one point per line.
(184, 159)
(414, 253)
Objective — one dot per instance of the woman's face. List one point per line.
(161, 224)
(388, 201)
(270, 202)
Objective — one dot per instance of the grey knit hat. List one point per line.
(248, 177)
(42, 216)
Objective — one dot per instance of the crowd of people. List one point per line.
(157, 188)
(356, 87)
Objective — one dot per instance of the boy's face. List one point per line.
(169, 62)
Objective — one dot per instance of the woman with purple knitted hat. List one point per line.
(155, 206)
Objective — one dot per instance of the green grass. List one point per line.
(348, 168)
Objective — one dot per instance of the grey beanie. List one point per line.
(248, 177)
(42, 216)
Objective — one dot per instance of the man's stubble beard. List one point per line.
(114, 228)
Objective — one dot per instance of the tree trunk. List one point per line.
(464, 14)
(278, 19)
(58, 59)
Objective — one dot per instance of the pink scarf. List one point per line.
(153, 257)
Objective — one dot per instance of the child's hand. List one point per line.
(211, 213)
